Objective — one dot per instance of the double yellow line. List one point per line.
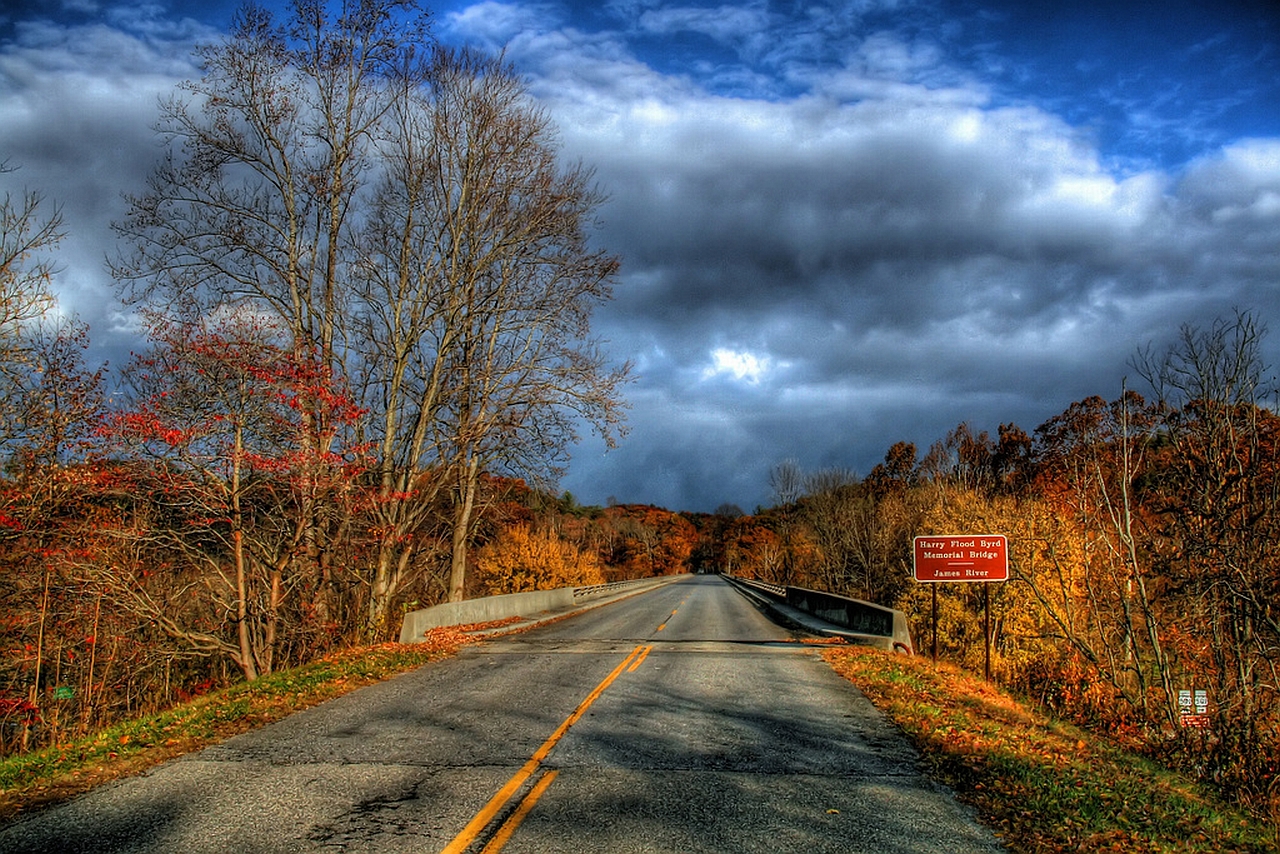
(472, 832)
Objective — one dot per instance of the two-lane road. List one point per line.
(678, 720)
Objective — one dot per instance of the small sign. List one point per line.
(968, 557)
(1193, 708)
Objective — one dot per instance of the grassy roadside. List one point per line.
(54, 774)
(1045, 786)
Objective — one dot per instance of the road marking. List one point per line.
(499, 801)
(641, 657)
(663, 625)
(509, 826)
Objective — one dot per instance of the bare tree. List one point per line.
(512, 364)
(831, 509)
(401, 211)
(269, 166)
(1218, 492)
(26, 232)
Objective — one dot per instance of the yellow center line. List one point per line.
(641, 657)
(663, 625)
(496, 804)
(509, 826)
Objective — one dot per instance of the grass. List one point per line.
(54, 774)
(1043, 785)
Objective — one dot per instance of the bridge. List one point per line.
(678, 718)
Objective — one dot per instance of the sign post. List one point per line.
(963, 558)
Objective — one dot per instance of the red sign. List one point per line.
(971, 557)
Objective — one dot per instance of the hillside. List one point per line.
(1044, 785)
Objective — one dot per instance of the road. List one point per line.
(677, 720)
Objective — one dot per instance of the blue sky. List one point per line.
(842, 224)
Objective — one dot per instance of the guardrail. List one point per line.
(595, 591)
(861, 621)
(778, 591)
(504, 606)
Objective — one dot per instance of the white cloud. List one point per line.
(741, 365)
(496, 24)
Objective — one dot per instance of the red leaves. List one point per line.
(19, 710)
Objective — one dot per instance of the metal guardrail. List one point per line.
(591, 591)
(778, 591)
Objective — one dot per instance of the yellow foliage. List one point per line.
(1032, 611)
(521, 559)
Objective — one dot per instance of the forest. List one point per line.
(364, 288)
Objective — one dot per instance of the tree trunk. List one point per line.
(461, 532)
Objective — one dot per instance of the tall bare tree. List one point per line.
(270, 164)
(401, 211)
(479, 294)
(27, 231)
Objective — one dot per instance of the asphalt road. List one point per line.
(677, 720)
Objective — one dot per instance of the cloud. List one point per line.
(79, 104)
(723, 24)
(740, 365)
(913, 252)
(835, 234)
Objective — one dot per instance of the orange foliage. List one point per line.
(643, 541)
(521, 559)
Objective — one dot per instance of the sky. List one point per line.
(841, 224)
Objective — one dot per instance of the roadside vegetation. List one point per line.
(58, 772)
(1044, 785)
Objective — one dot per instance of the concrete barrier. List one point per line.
(507, 605)
(484, 610)
(857, 620)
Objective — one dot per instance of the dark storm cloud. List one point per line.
(880, 256)
(79, 102)
(863, 223)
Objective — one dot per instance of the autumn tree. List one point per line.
(59, 401)
(897, 472)
(49, 516)
(1104, 594)
(1216, 488)
(214, 407)
(522, 558)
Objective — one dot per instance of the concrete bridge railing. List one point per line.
(490, 608)
(859, 621)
